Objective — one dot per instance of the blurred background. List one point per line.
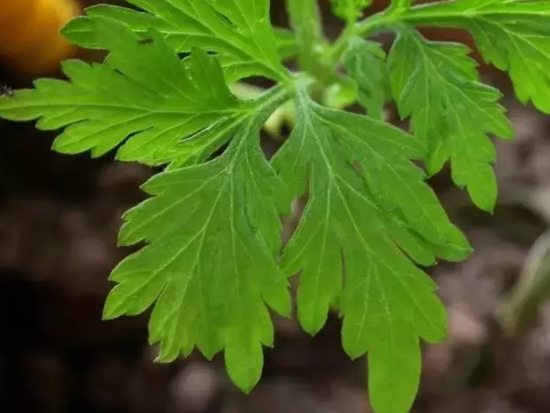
(59, 216)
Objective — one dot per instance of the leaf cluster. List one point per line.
(172, 92)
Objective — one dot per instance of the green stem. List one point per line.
(342, 42)
(360, 29)
(423, 14)
(305, 20)
(378, 21)
(274, 97)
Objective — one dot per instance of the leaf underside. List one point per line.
(213, 267)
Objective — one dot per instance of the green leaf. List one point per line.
(437, 84)
(369, 208)
(212, 230)
(238, 30)
(82, 32)
(349, 10)
(143, 98)
(514, 35)
(209, 270)
(365, 62)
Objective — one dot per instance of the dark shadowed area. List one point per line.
(59, 216)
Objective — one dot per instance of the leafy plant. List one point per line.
(213, 266)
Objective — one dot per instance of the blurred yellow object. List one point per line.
(29, 33)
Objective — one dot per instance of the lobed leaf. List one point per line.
(368, 209)
(209, 270)
(212, 226)
(143, 99)
(238, 30)
(514, 35)
(211, 229)
(437, 84)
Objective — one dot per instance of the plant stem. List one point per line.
(305, 19)
(386, 19)
(360, 29)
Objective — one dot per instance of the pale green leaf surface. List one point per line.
(239, 30)
(143, 97)
(349, 10)
(451, 111)
(366, 63)
(514, 35)
(369, 208)
(209, 268)
(340, 95)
